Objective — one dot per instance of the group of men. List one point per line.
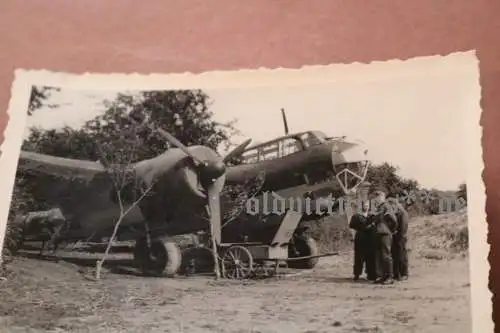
(380, 242)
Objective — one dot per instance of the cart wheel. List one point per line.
(237, 263)
(163, 258)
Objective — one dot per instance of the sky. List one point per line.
(409, 122)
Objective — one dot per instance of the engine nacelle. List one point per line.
(177, 188)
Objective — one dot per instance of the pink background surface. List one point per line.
(196, 36)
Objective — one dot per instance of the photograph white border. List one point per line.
(464, 62)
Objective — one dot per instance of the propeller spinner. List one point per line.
(210, 171)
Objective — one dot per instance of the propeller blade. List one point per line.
(170, 138)
(215, 212)
(237, 151)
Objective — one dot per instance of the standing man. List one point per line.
(364, 246)
(386, 225)
(399, 241)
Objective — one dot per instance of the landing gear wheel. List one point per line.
(237, 263)
(303, 247)
(196, 260)
(163, 258)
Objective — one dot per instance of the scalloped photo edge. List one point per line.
(460, 62)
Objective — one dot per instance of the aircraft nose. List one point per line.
(350, 166)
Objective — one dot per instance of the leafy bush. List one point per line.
(21, 203)
(331, 233)
(415, 198)
(460, 239)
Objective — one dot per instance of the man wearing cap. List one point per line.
(364, 247)
(399, 240)
(385, 226)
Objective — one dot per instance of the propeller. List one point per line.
(210, 173)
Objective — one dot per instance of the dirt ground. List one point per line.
(44, 296)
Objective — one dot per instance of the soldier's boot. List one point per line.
(387, 281)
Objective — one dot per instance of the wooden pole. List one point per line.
(214, 248)
(216, 259)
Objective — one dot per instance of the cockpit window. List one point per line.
(272, 150)
(283, 147)
(311, 138)
(320, 135)
(250, 156)
(289, 146)
(269, 152)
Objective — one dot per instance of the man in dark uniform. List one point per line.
(386, 225)
(364, 246)
(399, 241)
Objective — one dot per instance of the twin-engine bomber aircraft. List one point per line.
(186, 183)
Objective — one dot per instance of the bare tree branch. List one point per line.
(123, 213)
(118, 165)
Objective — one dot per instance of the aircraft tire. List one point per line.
(305, 246)
(164, 259)
(197, 260)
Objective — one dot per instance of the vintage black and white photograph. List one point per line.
(341, 198)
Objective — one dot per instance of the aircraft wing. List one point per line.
(59, 167)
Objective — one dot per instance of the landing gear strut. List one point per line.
(303, 246)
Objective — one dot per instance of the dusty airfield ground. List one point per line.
(43, 296)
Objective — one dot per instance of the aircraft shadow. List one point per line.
(114, 265)
(128, 267)
(119, 266)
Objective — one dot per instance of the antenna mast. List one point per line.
(284, 121)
